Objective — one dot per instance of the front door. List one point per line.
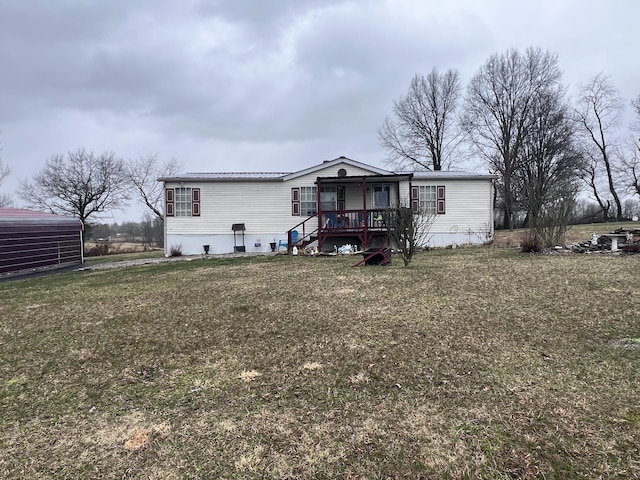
(381, 196)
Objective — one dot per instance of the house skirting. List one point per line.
(192, 244)
(222, 243)
(442, 239)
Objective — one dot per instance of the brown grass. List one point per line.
(575, 234)
(472, 363)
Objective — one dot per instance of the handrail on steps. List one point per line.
(304, 234)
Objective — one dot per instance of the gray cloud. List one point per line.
(254, 84)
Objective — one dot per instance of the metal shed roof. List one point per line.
(12, 217)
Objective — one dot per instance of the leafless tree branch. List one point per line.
(549, 163)
(143, 176)
(423, 133)
(81, 184)
(409, 230)
(597, 113)
(5, 199)
(497, 116)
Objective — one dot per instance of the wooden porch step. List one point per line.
(308, 241)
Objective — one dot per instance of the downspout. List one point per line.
(81, 245)
(492, 193)
(164, 223)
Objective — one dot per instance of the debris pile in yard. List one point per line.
(620, 240)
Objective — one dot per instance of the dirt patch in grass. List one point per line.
(472, 363)
(630, 343)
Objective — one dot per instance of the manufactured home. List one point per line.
(336, 202)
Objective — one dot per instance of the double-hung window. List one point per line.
(183, 201)
(428, 198)
(308, 201)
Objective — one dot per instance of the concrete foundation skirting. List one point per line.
(192, 244)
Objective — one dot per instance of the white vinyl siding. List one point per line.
(468, 208)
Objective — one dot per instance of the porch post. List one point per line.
(319, 214)
(365, 217)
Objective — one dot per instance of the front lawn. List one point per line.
(472, 363)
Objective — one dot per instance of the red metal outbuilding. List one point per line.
(31, 240)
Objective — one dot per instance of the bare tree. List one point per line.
(632, 161)
(597, 113)
(81, 184)
(143, 176)
(497, 112)
(550, 163)
(5, 199)
(590, 175)
(630, 206)
(632, 167)
(409, 230)
(423, 134)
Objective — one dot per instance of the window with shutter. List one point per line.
(441, 200)
(169, 199)
(295, 202)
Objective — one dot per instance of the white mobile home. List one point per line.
(336, 202)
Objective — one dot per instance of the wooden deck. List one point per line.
(365, 227)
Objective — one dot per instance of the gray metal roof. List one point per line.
(283, 176)
(18, 216)
(224, 176)
(336, 161)
(458, 175)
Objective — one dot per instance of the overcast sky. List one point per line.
(259, 85)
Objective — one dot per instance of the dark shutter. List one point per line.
(295, 202)
(168, 204)
(195, 202)
(340, 204)
(415, 198)
(441, 200)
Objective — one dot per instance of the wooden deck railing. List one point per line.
(352, 219)
(363, 224)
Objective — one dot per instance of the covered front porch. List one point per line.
(348, 209)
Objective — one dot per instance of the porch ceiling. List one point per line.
(365, 178)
